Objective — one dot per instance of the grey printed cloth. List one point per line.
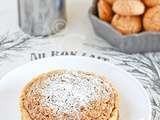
(77, 39)
(18, 48)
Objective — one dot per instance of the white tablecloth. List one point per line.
(77, 39)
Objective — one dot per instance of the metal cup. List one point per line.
(41, 17)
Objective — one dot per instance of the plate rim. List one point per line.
(146, 95)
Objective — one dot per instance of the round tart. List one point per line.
(69, 95)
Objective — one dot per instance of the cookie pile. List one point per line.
(131, 16)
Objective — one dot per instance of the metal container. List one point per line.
(41, 17)
(135, 43)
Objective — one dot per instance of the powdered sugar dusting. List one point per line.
(68, 91)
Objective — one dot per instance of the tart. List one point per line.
(69, 95)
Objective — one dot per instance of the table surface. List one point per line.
(78, 38)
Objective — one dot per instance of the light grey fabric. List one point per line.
(18, 48)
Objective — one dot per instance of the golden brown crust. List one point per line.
(151, 3)
(105, 11)
(24, 113)
(88, 113)
(151, 20)
(128, 7)
(98, 108)
(127, 24)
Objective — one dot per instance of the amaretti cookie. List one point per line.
(105, 11)
(110, 1)
(128, 7)
(69, 95)
(151, 3)
(151, 20)
(127, 24)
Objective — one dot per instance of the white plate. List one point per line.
(135, 104)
